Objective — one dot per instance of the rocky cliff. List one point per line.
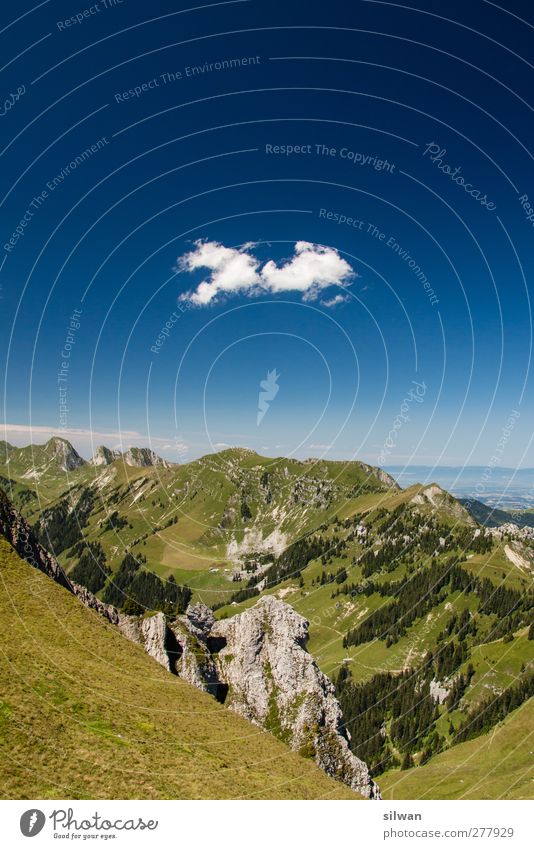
(65, 454)
(274, 682)
(18, 533)
(144, 457)
(257, 664)
(104, 456)
(150, 632)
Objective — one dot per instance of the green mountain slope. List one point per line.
(185, 519)
(497, 765)
(84, 713)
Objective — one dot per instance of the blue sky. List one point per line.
(188, 141)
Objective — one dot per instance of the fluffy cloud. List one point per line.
(232, 270)
(335, 301)
(311, 269)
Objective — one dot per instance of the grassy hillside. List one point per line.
(496, 765)
(86, 714)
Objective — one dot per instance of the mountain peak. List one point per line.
(104, 456)
(144, 457)
(437, 498)
(61, 450)
(139, 457)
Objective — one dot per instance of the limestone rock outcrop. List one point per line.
(93, 603)
(181, 645)
(150, 632)
(193, 660)
(141, 457)
(104, 456)
(274, 682)
(65, 454)
(144, 457)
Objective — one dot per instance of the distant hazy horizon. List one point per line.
(503, 486)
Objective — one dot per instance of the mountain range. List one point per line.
(409, 620)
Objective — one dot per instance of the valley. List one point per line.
(420, 616)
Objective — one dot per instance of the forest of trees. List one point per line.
(403, 536)
(401, 701)
(494, 708)
(237, 597)
(418, 593)
(134, 589)
(114, 522)
(60, 527)
(91, 570)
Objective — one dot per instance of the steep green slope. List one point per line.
(86, 714)
(496, 765)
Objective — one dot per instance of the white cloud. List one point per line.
(311, 269)
(335, 301)
(232, 270)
